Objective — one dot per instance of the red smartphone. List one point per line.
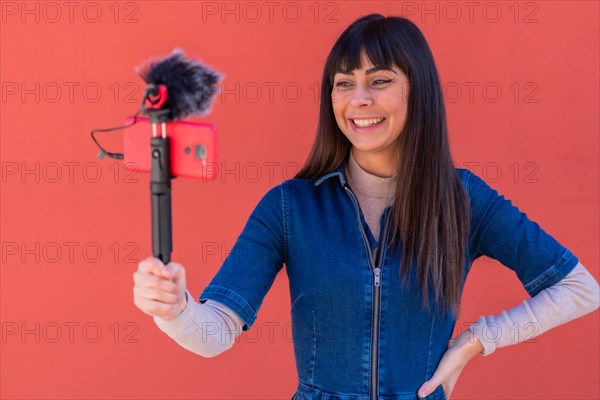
(193, 147)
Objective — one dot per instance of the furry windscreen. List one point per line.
(190, 84)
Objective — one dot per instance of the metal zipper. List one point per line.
(370, 254)
(376, 284)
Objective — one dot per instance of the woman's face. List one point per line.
(370, 108)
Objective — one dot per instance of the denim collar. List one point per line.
(339, 172)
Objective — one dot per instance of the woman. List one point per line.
(368, 323)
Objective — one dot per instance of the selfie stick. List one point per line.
(176, 88)
(190, 86)
(160, 173)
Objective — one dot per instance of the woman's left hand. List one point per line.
(459, 352)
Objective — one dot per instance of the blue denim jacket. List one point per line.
(357, 333)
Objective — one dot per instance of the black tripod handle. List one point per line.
(160, 189)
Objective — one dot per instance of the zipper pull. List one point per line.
(377, 276)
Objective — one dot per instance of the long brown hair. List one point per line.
(430, 215)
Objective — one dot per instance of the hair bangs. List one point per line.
(369, 38)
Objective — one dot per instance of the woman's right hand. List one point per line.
(159, 290)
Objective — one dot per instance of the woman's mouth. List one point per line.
(366, 124)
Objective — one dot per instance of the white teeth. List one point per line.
(363, 123)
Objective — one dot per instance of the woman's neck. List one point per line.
(382, 167)
(367, 183)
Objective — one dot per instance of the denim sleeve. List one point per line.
(255, 259)
(503, 232)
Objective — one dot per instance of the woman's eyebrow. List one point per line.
(369, 71)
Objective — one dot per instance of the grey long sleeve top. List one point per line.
(211, 328)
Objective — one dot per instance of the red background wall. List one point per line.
(69, 325)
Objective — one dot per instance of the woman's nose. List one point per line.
(361, 97)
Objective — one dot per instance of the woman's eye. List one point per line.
(375, 82)
(382, 81)
(341, 83)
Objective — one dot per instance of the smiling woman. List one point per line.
(378, 232)
(382, 69)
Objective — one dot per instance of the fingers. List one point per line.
(159, 290)
(176, 272)
(446, 374)
(148, 280)
(172, 269)
(158, 295)
(439, 376)
(151, 265)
